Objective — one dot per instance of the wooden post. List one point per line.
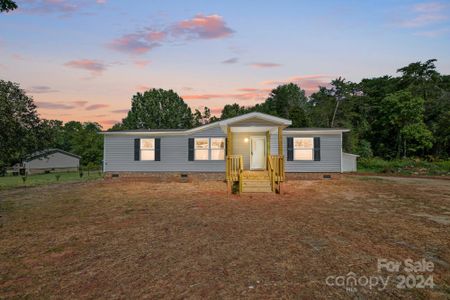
(229, 141)
(280, 140)
(268, 142)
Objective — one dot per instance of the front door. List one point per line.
(258, 153)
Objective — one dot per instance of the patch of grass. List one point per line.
(404, 166)
(8, 182)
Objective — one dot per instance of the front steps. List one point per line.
(256, 182)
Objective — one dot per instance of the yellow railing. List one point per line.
(234, 169)
(275, 167)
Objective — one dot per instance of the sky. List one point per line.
(85, 59)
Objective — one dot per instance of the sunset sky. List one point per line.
(84, 59)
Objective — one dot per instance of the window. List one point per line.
(202, 149)
(209, 149)
(217, 148)
(147, 149)
(303, 148)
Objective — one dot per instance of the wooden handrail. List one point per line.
(234, 169)
(275, 168)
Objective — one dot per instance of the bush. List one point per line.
(407, 166)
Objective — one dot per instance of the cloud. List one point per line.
(232, 60)
(135, 43)
(142, 63)
(433, 33)
(264, 65)
(64, 7)
(216, 110)
(79, 103)
(309, 83)
(94, 66)
(96, 106)
(100, 1)
(120, 111)
(425, 14)
(243, 94)
(202, 27)
(52, 105)
(145, 40)
(40, 89)
(109, 122)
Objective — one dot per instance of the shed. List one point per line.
(49, 160)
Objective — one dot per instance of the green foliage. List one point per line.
(19, 124)
(7, 5)
(405, 166)
(202, 118)
(158, 109)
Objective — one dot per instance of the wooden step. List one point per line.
(256, 186)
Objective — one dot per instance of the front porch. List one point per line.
(249, 162)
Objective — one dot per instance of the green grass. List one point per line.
(8, 182)
(404, 167)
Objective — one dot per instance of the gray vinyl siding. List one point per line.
(330, 153)
(53, 161)
(119, 154)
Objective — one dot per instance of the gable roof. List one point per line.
(222, 123)
(46, 152)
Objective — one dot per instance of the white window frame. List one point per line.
(304, 148)
(216, 149)
(146, 150)
(210, 148)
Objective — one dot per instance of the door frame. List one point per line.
(262, 137)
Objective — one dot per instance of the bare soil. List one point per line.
(137, 239)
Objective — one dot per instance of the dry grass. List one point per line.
(123, 239)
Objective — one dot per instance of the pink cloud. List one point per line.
(120, 111)
(64, 7)
(247, 94)
(203, 27)
(40, 89)
(142, 63)
(264, 65)
(96, 106)
(199, 27)
(216, 110)
(52, 105)
(94, 66)
(109, 123)
(135, 43)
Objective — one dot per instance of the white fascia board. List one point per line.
(315, 131)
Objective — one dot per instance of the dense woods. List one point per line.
(389, 117)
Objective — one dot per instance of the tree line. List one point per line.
(389, 117)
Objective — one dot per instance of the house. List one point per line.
(49, 160)
(254, 151)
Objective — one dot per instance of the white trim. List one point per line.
(306, 131)
(258, 115)
(264, 153)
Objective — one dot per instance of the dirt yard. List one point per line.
(123, 239)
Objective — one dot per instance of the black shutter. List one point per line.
(317, 148)
(290, 149)
(226, 148)
(137, 149)
(157, 149)
(191, 149)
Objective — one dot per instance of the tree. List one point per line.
(202, 118)
(284, 100)
(158, 109)
(88, 143)
(19, 124)
(402, 115)
(232, 110)
(7, 5)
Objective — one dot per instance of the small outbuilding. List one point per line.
(49, 160)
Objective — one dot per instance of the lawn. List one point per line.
(10, 181)
(120, 238)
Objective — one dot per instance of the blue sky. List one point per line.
(84, 59)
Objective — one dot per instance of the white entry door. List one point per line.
(257, 153)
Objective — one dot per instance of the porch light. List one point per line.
(246, 140)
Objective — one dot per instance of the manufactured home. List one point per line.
(256, 151)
